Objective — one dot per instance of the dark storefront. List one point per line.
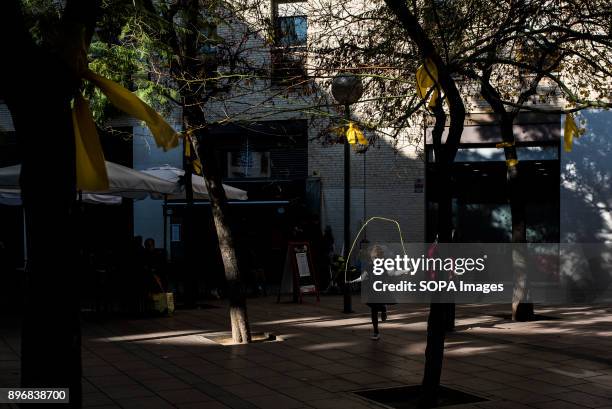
(269, 160)
(481, 209)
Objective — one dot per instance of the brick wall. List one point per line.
(389, 189)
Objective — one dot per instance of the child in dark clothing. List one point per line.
(375, 308)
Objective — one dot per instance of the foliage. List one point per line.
(537, 55)
(557, 51)
(337, 266)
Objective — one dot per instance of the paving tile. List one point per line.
(574, 372)
(594, 389)
(310, 374)
(275, 401)
(209, 405)
(101, 371)
(148, 402)
(251, 389)
(226, 379)
(279, 381)
(492, 375)
(164, 384)
(518, 369)
(583, 399)
(96, 399)
(190, 395)
(518, 395)
(557, 404)
(477, 384)
(360, 378)
(146, 374)
(99, 407)
(339, 403)
(586, 364)
(555, 378)
(337, 368)
(285, 366)
(337, 385)
(131, 391)
(538, 387)
(117, 380)
(307, 393)
(603, 379)
(503, 404)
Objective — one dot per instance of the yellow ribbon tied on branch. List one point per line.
(191, 153)
(354, 135)
(90, 164)
(512, 162)
(504, 144)
(569, 131)
(427, 77)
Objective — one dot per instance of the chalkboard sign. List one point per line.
(299, 274)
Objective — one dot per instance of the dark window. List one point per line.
(267, 150)
(288, 54)
(247, 163)
(292, 31)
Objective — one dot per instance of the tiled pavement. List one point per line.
(564, 362)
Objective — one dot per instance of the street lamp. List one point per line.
(347, 89)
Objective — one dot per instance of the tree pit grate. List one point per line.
(407, 397)
(256, 338)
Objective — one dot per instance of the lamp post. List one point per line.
(191, 290)
(347, 89)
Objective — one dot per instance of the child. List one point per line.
(375, 308)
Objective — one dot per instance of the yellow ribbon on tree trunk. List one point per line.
(427, 77)
(512, 162)
(569, 131)
(191, 154)
(90, 166)
(504, 144)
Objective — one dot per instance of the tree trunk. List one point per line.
(51, 340)
(241, 332)
(521, 311)
(192, 71)
(39, 102)
(439, 314)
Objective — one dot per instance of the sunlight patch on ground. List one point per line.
(413, 348)
(225, 338)
(574, 373)
(465, 350)
(147, 336)
(294, 320)
(328, 345)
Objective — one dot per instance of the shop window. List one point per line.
(248, 164)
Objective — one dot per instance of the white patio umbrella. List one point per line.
(14, 199)
(123, 182)
(173, 175)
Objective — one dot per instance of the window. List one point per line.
(291, 24)
(288, 55)
(248, 164)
